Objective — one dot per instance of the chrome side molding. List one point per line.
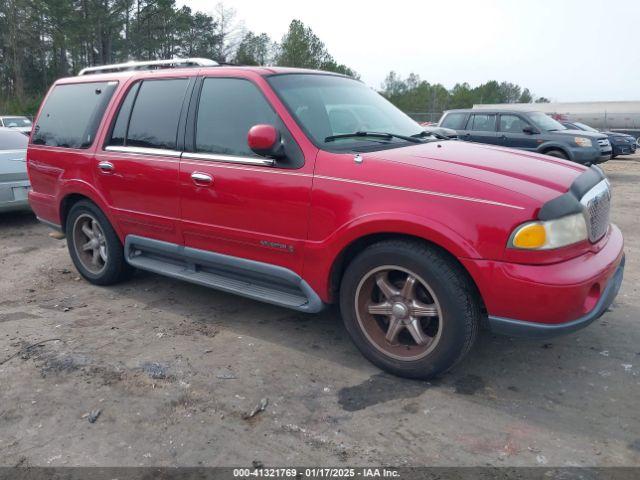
(262, 162)
(143, 151)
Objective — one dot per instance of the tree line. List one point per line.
(42, 40)
(419, 97)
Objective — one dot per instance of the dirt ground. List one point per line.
(173, 369)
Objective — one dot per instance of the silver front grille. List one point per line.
(604, 142)
(597, 203)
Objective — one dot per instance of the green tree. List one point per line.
(254, 50)
(302, 48)
(526, 96)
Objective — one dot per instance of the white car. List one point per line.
(14, 181)
(21, 124)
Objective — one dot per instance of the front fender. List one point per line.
(320, 256)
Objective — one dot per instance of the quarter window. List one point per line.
(454, 121)
(72, 113)
(228, 108)
(155, 114)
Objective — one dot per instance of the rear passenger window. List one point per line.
(482, 123)
(155, 114)
(228, 108)
(72, 113)
(454, 121)
(119, 132)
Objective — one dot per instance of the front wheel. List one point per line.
(409, 308)
(557, 154)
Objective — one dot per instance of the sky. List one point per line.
(565, 50)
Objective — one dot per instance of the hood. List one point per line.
(581, 133)
(619, 134)
(537, 176)
(13, 165)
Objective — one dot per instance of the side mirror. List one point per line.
(265, 141)
(529, 130)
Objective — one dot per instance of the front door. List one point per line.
(511, 133)
(233, 201)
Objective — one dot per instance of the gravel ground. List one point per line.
(158, 372)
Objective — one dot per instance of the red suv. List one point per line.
(303, 189)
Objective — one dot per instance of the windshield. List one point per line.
(545, 122)
(582, 126)
(327, 105)
(16, 122)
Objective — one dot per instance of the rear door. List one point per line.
(137, 169)
(511, 133)
(481, 128)
(233, 201)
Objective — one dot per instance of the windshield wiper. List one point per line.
(386, 135)
(424, 133)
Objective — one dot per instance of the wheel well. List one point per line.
(550, 149)
(345, 257)
(66, 204)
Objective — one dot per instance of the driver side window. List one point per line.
(512, 124)
(228, 108)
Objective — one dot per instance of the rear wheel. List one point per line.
(409, 308)
(95, 249)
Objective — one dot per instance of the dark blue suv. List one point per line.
(621, 143)
(533, 131)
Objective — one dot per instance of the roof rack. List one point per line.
(150, 65)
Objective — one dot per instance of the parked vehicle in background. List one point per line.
(621, 143)
(237, 178)
(21, 124)
(532, 131)
(14, 181)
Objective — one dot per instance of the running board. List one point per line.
(256, 280)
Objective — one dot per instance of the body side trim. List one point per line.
(241, 267)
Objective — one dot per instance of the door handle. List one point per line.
(201, 178)
(106, 166)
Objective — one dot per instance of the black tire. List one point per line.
(557, 154)
(114, 268)
(613, 156)
(452, 290)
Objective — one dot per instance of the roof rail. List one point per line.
(150, 65)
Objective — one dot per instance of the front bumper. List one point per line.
(549, 299)
(587, 155)
(14, 196)
(624, 149)
(518, 328)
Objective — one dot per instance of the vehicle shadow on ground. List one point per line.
(548, 382)
(17, 220)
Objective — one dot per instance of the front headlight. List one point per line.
(583, 142)
(550, 234)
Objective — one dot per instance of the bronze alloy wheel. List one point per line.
(89, 243)
(398, 312)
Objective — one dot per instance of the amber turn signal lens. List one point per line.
(530, 236)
